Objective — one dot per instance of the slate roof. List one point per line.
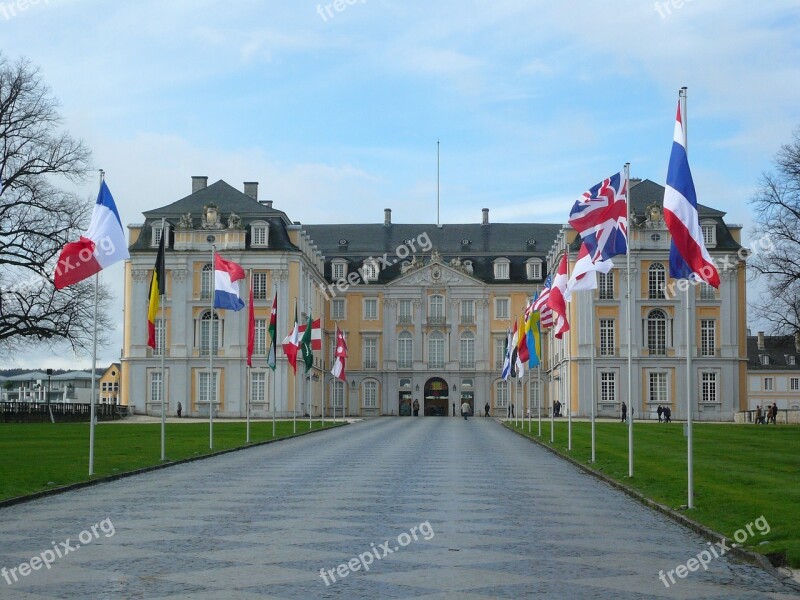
(228, 199)
(777, 347)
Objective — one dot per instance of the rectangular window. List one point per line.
(404, 314)
(370, 309)
(206, 282)
(160, 333)
(207, 391)
(658, 388)
(501, 311)
(337, 309)
(338, 271)
(607, 337)
(534, 270)
(707, 292)
(259, 235)
(608, 386)
(436, 352)
(156, 239)
(156, 388)
(794, 384)
(467, 312)
(764, 359)
(768, 384)
(499, 352)
(260, 342)
(370, 394)
(708, 390)
(501, 395)
(258, 387)
(436, 310)
(708, 340)
(467, 352)
(790, 360)
(370, 271)
(209, 335)
(656, 282)
(370, 353)
(501, 270)
(605, 284)
(709, 239)
(337, 394)
(259, 286)
(535, 395)
(405, 351)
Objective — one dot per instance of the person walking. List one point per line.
(667, 414)
(486, 409)
(465, 410)
(758, 415)
(774, 413)
(180, 409)
(415, 406)
(660, 411)
(624, 412)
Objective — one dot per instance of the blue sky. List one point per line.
(337, 118)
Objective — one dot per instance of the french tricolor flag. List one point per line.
(101, 246)
(688, 257)
(226, 284)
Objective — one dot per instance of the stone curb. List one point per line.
(747, 555)
(105, 479)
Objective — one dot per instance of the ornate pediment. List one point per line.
(436, 273)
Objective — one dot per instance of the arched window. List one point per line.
(405, 350)
(501, 394)
(657, 333)
(467, 350)
(436, 350)
(207, 281)
(656, 281)
(209, 333)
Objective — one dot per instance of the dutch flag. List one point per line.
(226, 284)
(688, 257)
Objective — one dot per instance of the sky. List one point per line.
(335, 108)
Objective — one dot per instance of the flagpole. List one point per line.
(322, 371)
(211, 347)
(163, 285)
(592, 382)
(552, 404)
(530, 408)
(630, 319)
(94, 362)
(568, 383)
(689, 319)
(274, 358)
(247, 383)
(539, 387)
(296, 385)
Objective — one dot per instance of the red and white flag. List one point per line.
(291, 343)
(584, 273)
(339, 356)
(556, 301)
(316, 334)
(100, 247)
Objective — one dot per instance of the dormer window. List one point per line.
(533, 268)
(764, 359)
(338, 270)
(155, 239)
(790, 360)
(259, 234)
(370, 270)
(501, 268)
(709, 229)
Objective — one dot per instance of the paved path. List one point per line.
(502, 517)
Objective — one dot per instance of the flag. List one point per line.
(339, 356)
(291, 343)
(507, 357)
(534, 335)
(556, 299)
(584, 273)
(540, 304)
(688, 257)
(522, 349)
(305, 345)
(517, 366)
(226, 284)
(601, 218)
(157, 289)
(100, 247)
(251, 326)
(316, 334)
(273, 333)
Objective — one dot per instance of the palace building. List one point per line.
(425, 309)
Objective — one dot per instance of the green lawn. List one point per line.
(741, 472)
(38, 457)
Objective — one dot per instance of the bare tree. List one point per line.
(776, 261)
(37, 217)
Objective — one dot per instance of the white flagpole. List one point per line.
(247, 368)
(539, 387)
(592, 374)
(296, 384)
(530, 407)
(689, 323)
(163, 351)
(322, 371)
(630, 320)
(211, 348)
(568, 383)
(275, 357)
(94, 363)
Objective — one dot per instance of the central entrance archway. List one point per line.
(436, 397)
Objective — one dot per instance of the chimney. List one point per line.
(251, 189)
(761, 340)
(485, 217)
(199, 182)
(267, 203)
(387, 217)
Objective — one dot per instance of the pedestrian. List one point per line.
(667, 414)
(624, 412)
(465, 410)
(774, 413)
(660, 411)
(486, 409)
(415, 406)
(512, 412)
(180, 408)
(758, 415)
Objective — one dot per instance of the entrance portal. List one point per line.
(436, 398)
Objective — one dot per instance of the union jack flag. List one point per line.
(545, 312)
(601, 218)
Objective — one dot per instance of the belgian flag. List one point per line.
(157, 289)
